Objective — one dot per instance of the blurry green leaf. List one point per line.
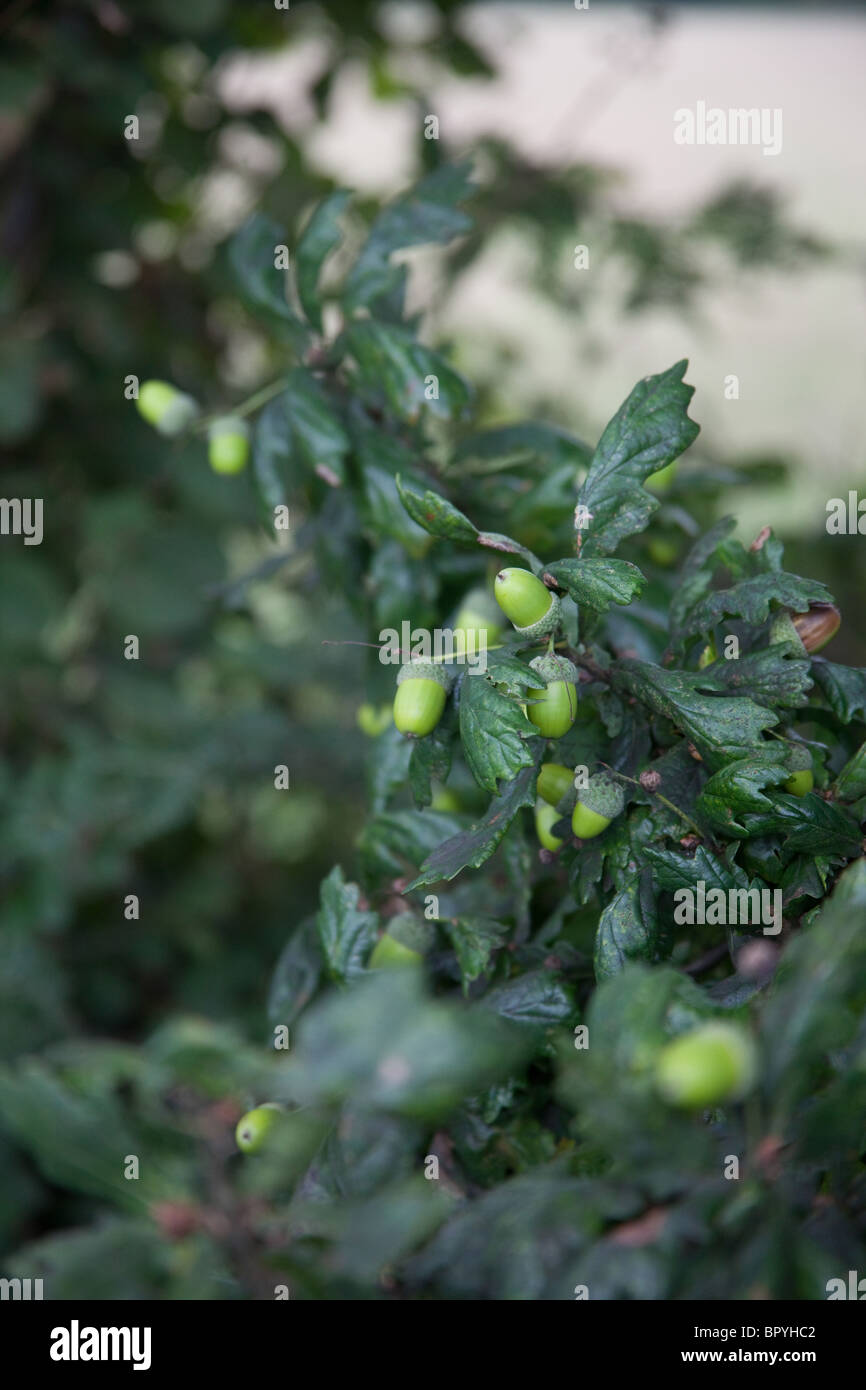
(537, 999)
(321, 236)
(474, 939)
(346, 931)
(317, 430)
(427, 213)
(394, 368)
(296, 975)
(253, 253)
(850, 783)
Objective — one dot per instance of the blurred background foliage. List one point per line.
(155, 778)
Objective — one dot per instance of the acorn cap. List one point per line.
(799, 758)
(602, 795)
(546, 623)
(228, 424)
(415, 933)
(555, 668)
(421, 670)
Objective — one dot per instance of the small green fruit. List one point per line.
(526, 602)
(545, 818)
(422, 689)
(597, 804)
(164, 407)
(228, 444)
(708, 655)
(712, 1064)
(445, 800)
(663, 552)
(477, 619)
(556, 703)
(801, 780)
(662, 480)
(253, 1127)
(373, 720)
(406, 942)
(554, 780)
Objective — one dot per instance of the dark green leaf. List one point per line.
(843, 687)
(475, 939)
(598, 583)
(317, 429)
(650, 429)
(752, 600)
(346, 931)
(494, 732)
(252, 254)
(427, 213)
(321, 236)
(395, 368)
(628, 929)
(471, 848)
(436, 514)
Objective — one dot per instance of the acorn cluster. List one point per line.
(171, 412)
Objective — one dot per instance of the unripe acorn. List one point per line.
(373, 720)
(253, 1127)
(444, 799)
(663, 551)
(526, 602)
(406, 942)
(708, 655)
(228, 446)
(711, 1064)
(422, 689)
(556, 707)
(554, 780)
(164, 407)
(546, 817)
(801, 780)
(597, 804)
(662, 480)
(478, 614)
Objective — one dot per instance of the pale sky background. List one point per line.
(797, 341)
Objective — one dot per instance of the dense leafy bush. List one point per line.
(501, 1115)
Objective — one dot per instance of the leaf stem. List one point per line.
(258, 398)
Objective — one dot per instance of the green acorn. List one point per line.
(478, 615)
(801, 780)
(556, 703)
(554, 781)
(228, 446)
(253, 1127)
(597, 805)
(663, 551)
(526, 602)
(373, 720)
(406, 942)
(422, 689)
(709, 1065)
(546, 817)
(708, 655)
(164, 407)
(662, 480)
